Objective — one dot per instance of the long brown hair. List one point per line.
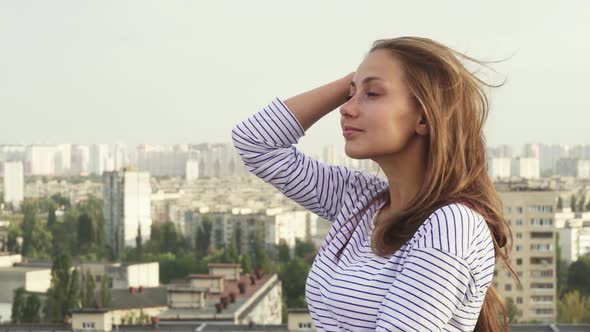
(456, 107)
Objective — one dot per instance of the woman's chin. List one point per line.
(354, 153)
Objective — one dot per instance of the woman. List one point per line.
(415, 252)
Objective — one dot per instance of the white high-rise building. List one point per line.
(218, 160)
(13, 183)
(527, 168)
(549, 154)
(127, 210)
(531, 151)
(502, 151)
(573, 167)
(41, 160)
(500, 168)
(98, 157)
(63, 159)
(192, 170)
(120, 157)
(163, 160)
(80, 159)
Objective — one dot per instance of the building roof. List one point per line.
(90, 310)
(149, 297)
(223, 265)
(209, 311)
(17, 269)
(204, 276)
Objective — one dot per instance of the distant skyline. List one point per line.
(167, 72)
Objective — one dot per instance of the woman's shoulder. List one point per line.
(454, 228)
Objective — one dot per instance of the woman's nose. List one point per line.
(348, 109)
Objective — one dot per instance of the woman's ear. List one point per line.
(422, 127)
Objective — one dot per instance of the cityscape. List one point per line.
(173, 234)
(135, 197)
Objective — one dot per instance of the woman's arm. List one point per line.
(265, 142)
(310, 106)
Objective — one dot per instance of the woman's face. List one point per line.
(381, 107)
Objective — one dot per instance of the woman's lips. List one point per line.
(350, 132)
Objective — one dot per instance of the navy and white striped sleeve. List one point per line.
(426, 293)
(265, 142)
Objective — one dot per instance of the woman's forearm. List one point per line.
(310, 106)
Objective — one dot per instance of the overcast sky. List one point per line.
(187, 71)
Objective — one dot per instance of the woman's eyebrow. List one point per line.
(367, 80)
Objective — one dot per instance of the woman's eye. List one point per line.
(371, 94)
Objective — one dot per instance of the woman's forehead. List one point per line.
(382, 65)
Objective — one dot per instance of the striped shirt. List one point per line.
(436, 281)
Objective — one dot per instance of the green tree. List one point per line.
(587, 207)
(203, 236)
(579, 276)
(73, 294)
(246, 262)
(293, 277)
(85, 230)
(32, 311)
(233, 247)
(105, 291)
(305, 250)
(511, 310)
(284, 255)
(51, 218)
(14, 232)
(18, 305)
(573, 203)
(89, 285)
(41, 242)
(573, 308)
(29, 221)
(64, 292)
(581, 203)
(261, 259)
(559, 203)
(60, 200)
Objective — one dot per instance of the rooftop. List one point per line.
(146, 298)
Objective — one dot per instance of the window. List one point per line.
(304, 325)
(541, 285)
(540, 208)
(87, 325)
(542, 299)
(542, 260)
(541, 235)
(519, 300)
(544, 311)
(542, 273)
(508, 287)
(519, 209)
(518, 222)
(518, 247)
(519, 235)
(539, 222)
(541, 247)
(519, 261)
